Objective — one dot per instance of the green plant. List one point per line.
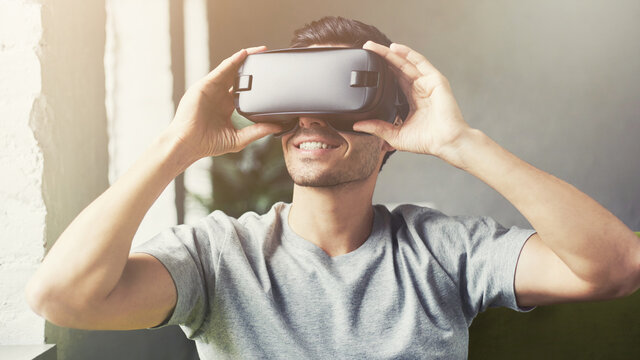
(250, 180)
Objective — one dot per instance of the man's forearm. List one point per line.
(87, 260)
(595, 244)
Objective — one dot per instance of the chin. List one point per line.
(327, 179)
(317, 184)
(315, 180)
(314, 174)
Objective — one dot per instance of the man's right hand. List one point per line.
(202, 123)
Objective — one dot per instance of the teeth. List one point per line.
(314, 145)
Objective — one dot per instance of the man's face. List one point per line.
(319, 156)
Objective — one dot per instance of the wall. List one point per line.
(23, 212)
(54, 146)
(554, 82)
(53, 140)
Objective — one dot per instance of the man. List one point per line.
(330, 275)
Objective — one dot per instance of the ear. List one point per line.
(397, 122)
(386, 147)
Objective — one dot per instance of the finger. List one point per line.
(417, 59)
(225, 73)
(407, 69)
(379, 128)
(256, 49)
(406, 88)
(250, 51)
(254, 132)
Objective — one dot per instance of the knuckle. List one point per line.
(421, 86)
(405, 66)
(203, 94)
(224, 62)
(417, 57)
(424, 85)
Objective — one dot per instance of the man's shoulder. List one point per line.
(415, 222)
(422, 221)
(410, 213)
(251, 224)
(249, 217)
(273, 215)
(425, 214)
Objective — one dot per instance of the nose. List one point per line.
(309, 122)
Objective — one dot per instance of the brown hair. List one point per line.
(336, 30)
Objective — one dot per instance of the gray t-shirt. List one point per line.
(252, 288)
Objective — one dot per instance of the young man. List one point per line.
(330, 275)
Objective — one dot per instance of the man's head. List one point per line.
(348, 157)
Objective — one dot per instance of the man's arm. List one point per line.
(88, 279)
(74, 284)
(580, 252)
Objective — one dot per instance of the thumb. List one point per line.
(254, 132)
(379, 128)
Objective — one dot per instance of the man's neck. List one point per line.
(336, 219)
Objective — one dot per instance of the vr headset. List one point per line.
(338, 85)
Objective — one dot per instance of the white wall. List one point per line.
(22, 213)
(52, 139)
(54, 151)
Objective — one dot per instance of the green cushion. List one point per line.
(587, 330)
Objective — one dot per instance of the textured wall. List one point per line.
(22, 209)
(70, 124)
(53, 138)
(54, 150)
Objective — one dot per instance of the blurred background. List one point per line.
(86, 85)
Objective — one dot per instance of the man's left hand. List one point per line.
(435, 124)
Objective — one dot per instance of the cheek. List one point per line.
(365, 148)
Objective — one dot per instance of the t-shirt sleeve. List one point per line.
(186, 252)
(477, 253)
(488, 262)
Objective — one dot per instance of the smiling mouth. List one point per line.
(314, 145)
